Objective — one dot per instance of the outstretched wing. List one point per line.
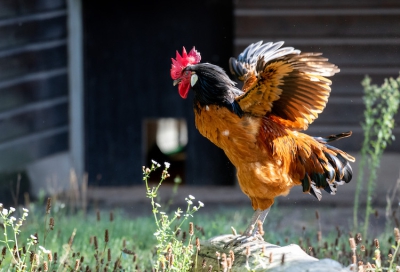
(289, 85)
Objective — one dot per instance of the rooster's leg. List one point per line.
(258, 215)
(251, 233)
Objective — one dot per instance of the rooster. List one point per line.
(258, 127)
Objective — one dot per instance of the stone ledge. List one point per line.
(295, 259)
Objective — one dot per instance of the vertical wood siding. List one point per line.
(33, 81)
(127, 57)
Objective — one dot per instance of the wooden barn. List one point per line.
(86, 84)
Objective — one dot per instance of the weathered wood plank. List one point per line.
(349, 85)
(37, 120)
(17, 154)
(33, 61)
(9, 8)
(33, 32)
(359, 55)
(343, 112)
(316, 4)
(44, 87)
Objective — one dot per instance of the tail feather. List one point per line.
(315, 191)
(335, 165)
(332, 138)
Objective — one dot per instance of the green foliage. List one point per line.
(50, 239)
(132, 244)
(54, 240)
(172, 253)
(66, 242)
(381, 104)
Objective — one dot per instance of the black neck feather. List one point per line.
(214, 87)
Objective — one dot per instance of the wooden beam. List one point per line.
(75, 69)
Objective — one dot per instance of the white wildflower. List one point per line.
(25, 214)
(191, 197)
(201, 204)
(12, 209)
(158, 205)
(189, 202)
(153, 162)
(5, 211)
(46, 251)
(25, 210)
(12, 219)
(178, 212)
(195, 208)
(167, 164)
(33, 237)
(163, 213)
(1, 205)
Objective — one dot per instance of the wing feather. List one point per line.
(283, 82)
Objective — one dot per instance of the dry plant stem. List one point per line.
(371, 186)
(17, 189)
(46, 230)
(67, 251)
(319, 234)
(396, 250)
(360, 179)
(6, 242)
(390, 199)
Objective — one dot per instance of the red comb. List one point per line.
(182, 61)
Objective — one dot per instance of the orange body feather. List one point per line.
(267, 155)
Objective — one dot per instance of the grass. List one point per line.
(48, 237)
(80, 240)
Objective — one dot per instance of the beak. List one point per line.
(176, 81)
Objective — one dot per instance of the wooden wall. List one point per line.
(33, 81)
(127, 59)
(361, 37)
(127, 52)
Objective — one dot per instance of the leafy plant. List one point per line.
(172, 253)
(11, 225)
(381, 104)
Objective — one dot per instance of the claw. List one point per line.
(252, 233)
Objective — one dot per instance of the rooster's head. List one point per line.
(179, 74)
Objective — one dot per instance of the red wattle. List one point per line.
(183, 88)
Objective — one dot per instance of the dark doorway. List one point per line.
(127, 51)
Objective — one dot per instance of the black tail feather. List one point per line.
(337, 169)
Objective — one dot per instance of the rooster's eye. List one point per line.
(186, 73)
